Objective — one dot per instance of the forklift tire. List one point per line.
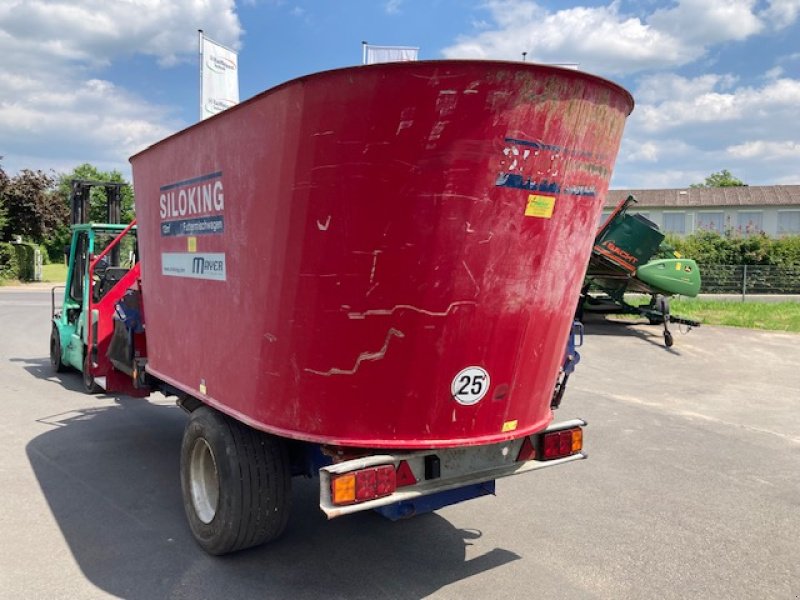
(89, 385)
(55, 352)
(235, 481)
(668, 341)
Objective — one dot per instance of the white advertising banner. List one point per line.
(202, 265)
(384, 54)
(219, 77)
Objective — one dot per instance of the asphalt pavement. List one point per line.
(691, 490)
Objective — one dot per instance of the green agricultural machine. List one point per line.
(629, 256)
(101, 255)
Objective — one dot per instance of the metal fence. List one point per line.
(750, 279)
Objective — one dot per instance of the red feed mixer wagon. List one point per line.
(367, 275)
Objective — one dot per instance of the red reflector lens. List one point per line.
(385, 481)
(551, 445)
(404, 475)
(559, 444)
(375, 482)
(527, 451)
(565, 443)
(365, 485)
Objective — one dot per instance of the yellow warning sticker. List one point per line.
(678, 266)
(191, 244)
(540, 206)
(509, 426)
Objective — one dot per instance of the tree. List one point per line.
(3, 186)
(721, 179)
(32, 208)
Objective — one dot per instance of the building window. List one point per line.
(675, 222)
(711, 221)
(788, 222)
(749, 222)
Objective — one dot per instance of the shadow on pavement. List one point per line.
(110, 476)
(601, 325)
(41, 369)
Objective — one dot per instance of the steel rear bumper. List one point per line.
(459, 467)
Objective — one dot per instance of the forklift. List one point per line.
(102, 268)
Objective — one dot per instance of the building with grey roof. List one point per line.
(745, 210)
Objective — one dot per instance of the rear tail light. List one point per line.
(363, 485)
(558, 444)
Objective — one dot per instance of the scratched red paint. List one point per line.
(373, 248)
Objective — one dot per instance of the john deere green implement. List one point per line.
(623, 262)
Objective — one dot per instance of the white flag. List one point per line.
(384, 54)
(219, 77)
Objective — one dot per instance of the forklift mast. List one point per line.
(81, 195)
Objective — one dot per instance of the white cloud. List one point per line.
(97, 31)
(765, 150)
(392, 7)
(703, 22)
(641, 152)
(774, 73)
(600, 38)
(782, 13)
(603, 39)
(53, 105)
(654, 88)
(702, 102)
(686, 128)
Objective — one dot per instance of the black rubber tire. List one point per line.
(668, 341)
(253, 483)
(55, 352)
(89, 385)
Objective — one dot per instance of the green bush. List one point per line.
(711, 248)
(25, 261)
(56, 243)
(9, 267)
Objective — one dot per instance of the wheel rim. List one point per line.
(203, 481)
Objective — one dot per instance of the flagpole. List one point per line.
(200, 52)
(363, 53)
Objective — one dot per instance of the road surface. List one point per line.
(692, 490)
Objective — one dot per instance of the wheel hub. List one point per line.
(203, 481)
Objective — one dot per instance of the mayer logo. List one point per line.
(201, 264)
(193, 265)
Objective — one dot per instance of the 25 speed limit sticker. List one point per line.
(470, 385)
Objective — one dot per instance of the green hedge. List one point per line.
(26, 264)
(710, 248)
(9, 266)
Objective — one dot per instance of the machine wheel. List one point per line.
(89, 385)
(55, 352)
(668, 341)
(236, 483)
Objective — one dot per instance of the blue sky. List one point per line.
(716, 82)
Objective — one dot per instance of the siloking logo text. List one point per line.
(195, 197)
(194, 265)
